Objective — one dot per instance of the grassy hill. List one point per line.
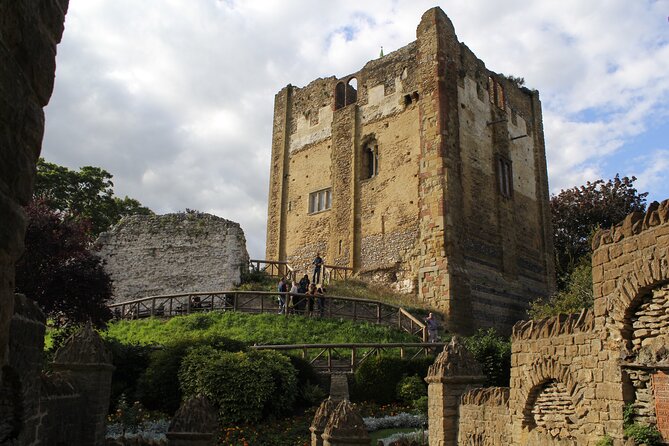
(253, 329)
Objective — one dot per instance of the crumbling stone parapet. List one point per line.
(454, 372)
(86, 362)
(194, 424)
(345, 427)
(320, 421)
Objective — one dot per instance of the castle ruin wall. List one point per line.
(173, 253)
(573, 375)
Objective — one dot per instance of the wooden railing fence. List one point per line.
(346, 358)
(276, 268)
(332, 273)
(273, 268)
(256, 302)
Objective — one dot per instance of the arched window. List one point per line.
(340, 95)
(352, 91)
(370, 160)
(346, 93)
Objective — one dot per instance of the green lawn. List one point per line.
(253, 329)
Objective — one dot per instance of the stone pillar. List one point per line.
(86, 362)
(321, 418)
(26, 358)
(194, 424)
(454, 372)
(345, 427)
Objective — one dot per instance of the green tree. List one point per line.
(578, 212)
(59, 272)
(84, 194)
(576, 295)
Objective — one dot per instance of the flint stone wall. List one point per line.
(572, 375)
(173, 253)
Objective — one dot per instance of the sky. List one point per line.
(175, 98)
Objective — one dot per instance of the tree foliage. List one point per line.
(493, 352)
(576, 295)
(84, 194)
(577, 214)
(59, 272)
(579, 211)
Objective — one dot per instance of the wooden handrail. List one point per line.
(415, 320)
(323, 361)
(278, 262)
(257, 293)
(350, 345)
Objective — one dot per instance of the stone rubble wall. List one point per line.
(173, 253)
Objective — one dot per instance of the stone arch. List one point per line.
(645, 298)
(632, 287)
(369, 151)
(351, 90)
(544, 373)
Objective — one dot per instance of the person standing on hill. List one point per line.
(318, 263)
(432, 328)
(311, 296)
(282, 288)
(303, 285)
(293, 292)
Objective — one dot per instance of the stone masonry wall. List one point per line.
(631, 286)
(572, 375)
(565, 381)
(173, 253)
(484, 418)
(29, 33)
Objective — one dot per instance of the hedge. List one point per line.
(245, 386)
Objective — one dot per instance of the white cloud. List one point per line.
(176, 98)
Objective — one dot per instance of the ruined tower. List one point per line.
(424, 169)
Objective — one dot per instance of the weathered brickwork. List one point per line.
(484, 417)
(29, 33)
(572, 375)
(412, 161)
(173, 253)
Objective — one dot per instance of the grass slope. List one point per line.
(254, 329)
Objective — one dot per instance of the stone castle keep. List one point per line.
(423, 169)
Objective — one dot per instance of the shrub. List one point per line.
(420, 405)
(640, 433)
(399, 421)
(377, 378)
(311, 385)
(311, 394)
(606, 440)
(644, 434)
(129, 361)
(158, 387)
(411, 388)
(493, 352)
(244, 386)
